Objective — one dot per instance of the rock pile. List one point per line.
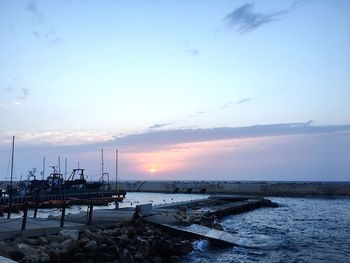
(132, 242)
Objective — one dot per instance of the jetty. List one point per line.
(125, 234)
(197, 218)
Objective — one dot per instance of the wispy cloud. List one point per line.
(160, 125)
(37, 16)
(185, 46)
(244, 100)
(192, 51)
(24, 94)
(52, 138)
(227, 105)
(12, 94)
(245, 19)
(176, 136)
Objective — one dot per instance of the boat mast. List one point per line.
(43, 172)
(116, 170)
(65, 169)
(10, 193)
(102, 171)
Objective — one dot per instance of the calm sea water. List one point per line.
(301, 230)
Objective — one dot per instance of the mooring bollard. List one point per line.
(63, 214)
(25, 213)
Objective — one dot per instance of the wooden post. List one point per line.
(35, 211)
(25, 213)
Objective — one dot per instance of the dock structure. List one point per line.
(198, 230)
(165, 216)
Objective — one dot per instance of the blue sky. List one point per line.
(88, 72)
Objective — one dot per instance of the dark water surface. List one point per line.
(301, 230)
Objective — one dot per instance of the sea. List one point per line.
(301, 229)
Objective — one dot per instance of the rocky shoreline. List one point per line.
(136, 241)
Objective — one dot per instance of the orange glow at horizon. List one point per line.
(185, 156)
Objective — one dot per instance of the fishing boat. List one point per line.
(55, 187)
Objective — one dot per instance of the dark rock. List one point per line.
(15, 255)
(126, 256)
(104, 257)
(143, 246)
(157, 260)
(31, 254)
(91, 245)
(80, 257)
(175, 259)
(5, 249)
(131, 231)
(182, 248)
(32, 241)
(53, 252)
(82, 241)
(110, 232)
(44, 257)
(123, 239)
(139, 256)
(70, 233)
(43, 240)
(54, 238)
(66, 246)
(218, 226)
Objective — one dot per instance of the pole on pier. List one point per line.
(35, 210)
(91, 207)
(63, 214)
(10, 193)
(25, 214)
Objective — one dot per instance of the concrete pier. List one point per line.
(268, 188)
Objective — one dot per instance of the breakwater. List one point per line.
(264, 188)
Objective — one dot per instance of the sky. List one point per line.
(185, 90)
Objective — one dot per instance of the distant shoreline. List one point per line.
(263, 188)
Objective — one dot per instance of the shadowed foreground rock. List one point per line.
(132, 242)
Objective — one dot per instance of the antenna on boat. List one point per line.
(10, 193)
(43, 172)
(102, 170)
(102, 164)
(65, 169)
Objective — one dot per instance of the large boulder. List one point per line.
(91, 245)
(66, 246)
(182, 248)
(31, 254)
(54, 238)
(70, 233)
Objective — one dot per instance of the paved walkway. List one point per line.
(12, 227)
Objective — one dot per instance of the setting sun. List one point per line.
(152, 170)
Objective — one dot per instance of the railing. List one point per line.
(86, 219)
